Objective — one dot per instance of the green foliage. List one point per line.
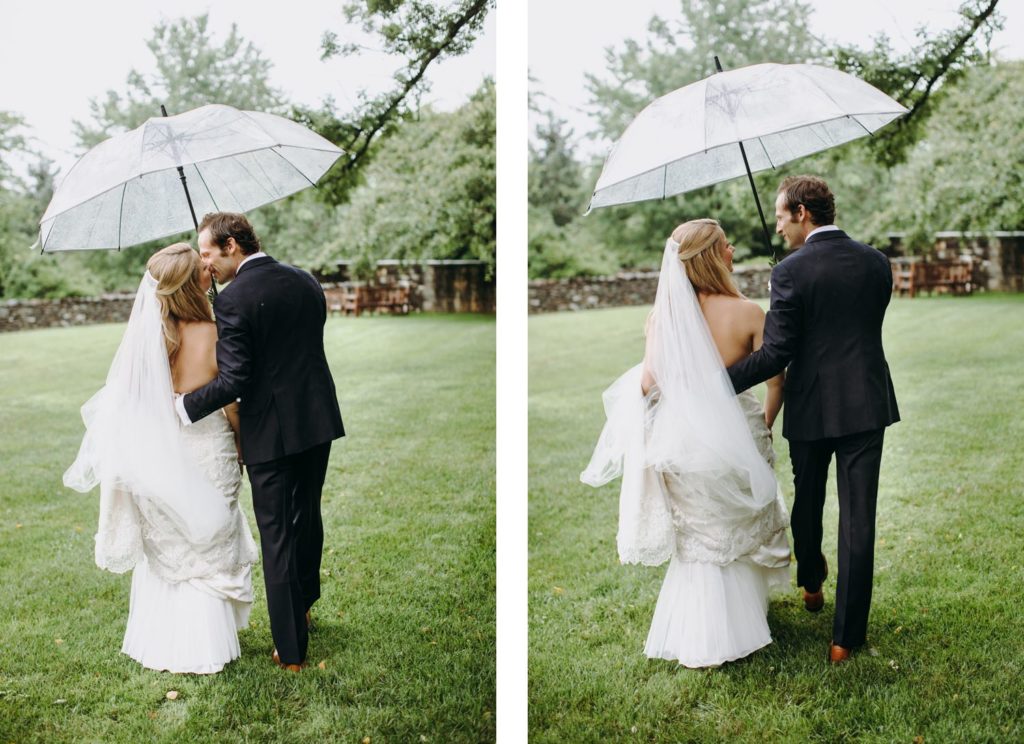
(193, 69)
(430, 192)
(557, 252)
(406, 625)
(554, 175)
(947, 558)
(421, 33)
(917, 79)
(964, 174)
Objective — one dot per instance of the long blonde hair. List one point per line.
(176, 269)
(700, 243)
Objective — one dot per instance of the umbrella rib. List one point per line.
(274, 150)
(206, 186)
(120, 215)
(854, 117)
(765, 151)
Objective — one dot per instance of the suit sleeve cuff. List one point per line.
(179, 406)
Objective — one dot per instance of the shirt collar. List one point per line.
(250, 257)
(823, 228)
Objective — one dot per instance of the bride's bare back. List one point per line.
(736, 325)
(195, 364)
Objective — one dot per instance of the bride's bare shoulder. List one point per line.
(198, 333)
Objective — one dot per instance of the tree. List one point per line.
(423, 32)
(192, 69)
(965, 172)
(917, 79)
(430, 190)
(555, 175)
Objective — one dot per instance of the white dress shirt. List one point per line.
(823, 228)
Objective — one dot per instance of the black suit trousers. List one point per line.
(858, 460)
(286, 501)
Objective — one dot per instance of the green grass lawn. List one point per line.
(945, 652)
(406, 626)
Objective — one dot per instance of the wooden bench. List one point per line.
(355, 300)
(910, 276)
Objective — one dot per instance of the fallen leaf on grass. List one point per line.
(918, 740)
(558, 590)
(58, 641)
(366, 740)
(172, 694)
(322, 665)
(151, 715)
(17, 526)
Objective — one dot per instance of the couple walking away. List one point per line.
(185, 404)
(693, 444)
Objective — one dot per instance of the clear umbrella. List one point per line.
(128, 189)
(741, 121)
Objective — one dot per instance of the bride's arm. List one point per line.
(231, 411)
(773, 398)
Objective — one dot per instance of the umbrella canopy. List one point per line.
(128, 190)
(689, 138)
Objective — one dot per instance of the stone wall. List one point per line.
(636, 288)
(437, 286)
(18, 315)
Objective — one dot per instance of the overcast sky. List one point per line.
(56, 55)
(568, 39)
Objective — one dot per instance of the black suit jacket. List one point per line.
(828, 300)
(270, 355)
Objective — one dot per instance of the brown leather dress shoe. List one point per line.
(290, 667)
(814, 601)
(837, 654)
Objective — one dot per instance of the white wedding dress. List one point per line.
(192, 625)
(710, 612)
(698, 486)
(168, 507)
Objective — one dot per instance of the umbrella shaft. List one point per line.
(192, 210)
(757, 200)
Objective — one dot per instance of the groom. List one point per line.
(270, 357)
(828, 300)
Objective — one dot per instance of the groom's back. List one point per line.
(290, 403)
(838, 382)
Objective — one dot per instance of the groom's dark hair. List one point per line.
(224, 225)
(814, 194)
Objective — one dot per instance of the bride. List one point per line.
(698, 488)
(169, 495)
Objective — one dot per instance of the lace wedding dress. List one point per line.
(168, 507)
(192, 625)
(712, 607)
(698, 486)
